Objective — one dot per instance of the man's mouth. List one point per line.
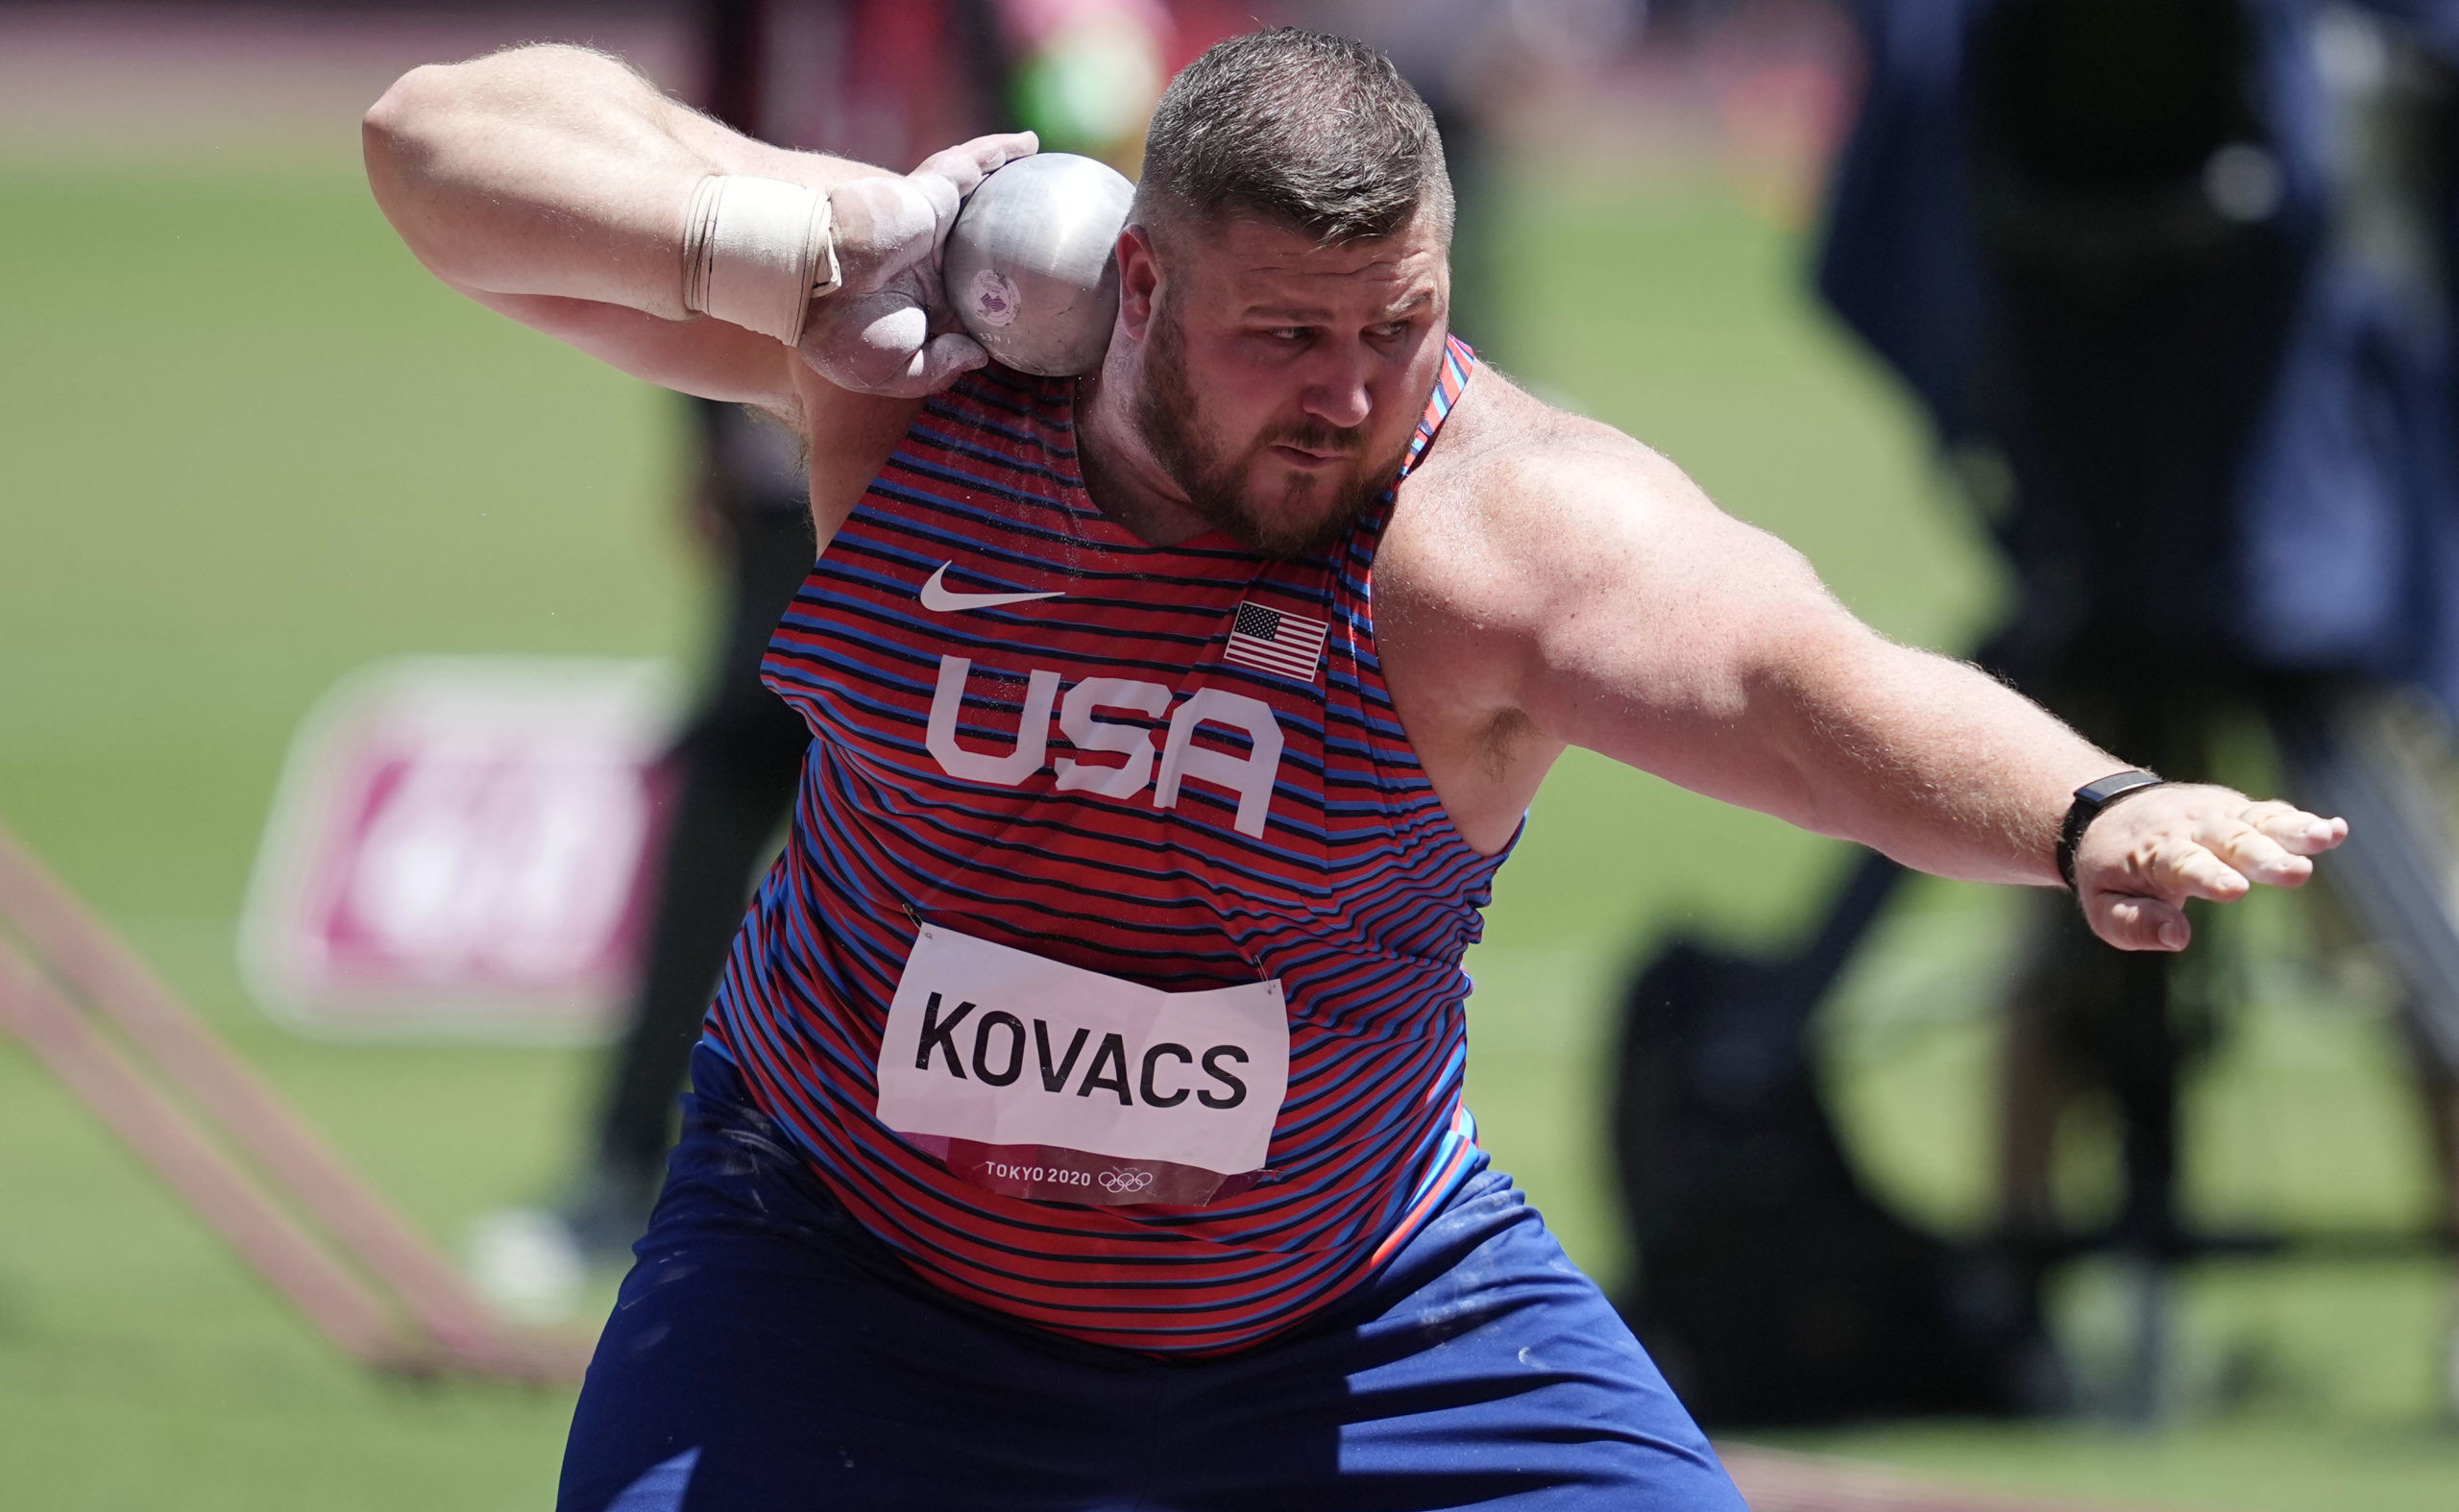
(1307, 457)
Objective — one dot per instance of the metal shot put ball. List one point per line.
(1030, 265)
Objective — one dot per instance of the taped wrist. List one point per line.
(756, 252)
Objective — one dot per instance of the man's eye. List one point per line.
(1287, 332)
(1389, 330)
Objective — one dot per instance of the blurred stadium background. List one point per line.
(250, 447)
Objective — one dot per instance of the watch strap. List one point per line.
(2090, 799)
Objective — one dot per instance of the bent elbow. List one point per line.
(401, 137)
(393, 126)
(396, 135)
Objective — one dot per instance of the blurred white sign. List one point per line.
(463, 845)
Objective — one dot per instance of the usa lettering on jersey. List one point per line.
(1370, 1134)
(1165, 772)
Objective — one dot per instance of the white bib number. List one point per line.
(1042, 1079)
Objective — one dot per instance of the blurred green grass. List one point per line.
(249, 445)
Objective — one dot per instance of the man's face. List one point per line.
(1281, 381)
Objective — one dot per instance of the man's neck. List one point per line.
(1125, 484)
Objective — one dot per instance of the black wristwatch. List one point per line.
(2089, 800)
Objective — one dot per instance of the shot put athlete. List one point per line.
(1079, 1121)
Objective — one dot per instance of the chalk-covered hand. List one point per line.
(887, 330)
(2143, 856)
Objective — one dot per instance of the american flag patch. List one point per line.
(1276, 640)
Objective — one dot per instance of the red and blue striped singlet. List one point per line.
(1338, 873)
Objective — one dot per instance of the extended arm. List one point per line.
(1666, 634)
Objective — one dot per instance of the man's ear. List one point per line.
(1139, 281)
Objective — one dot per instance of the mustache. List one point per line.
(1317, 437)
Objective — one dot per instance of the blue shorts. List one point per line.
(766, 1352)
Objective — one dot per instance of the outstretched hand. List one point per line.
(2142, 858)
(876, 334)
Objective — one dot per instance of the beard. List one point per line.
(1315, 509)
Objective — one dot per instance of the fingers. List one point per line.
(882, 345)
(940, 362)
(948, 176)
(2295, 830)
(945, 199)
(867, 343)
(946, 359)
(887, 227)
(2138, 923)
(2143, 860)
(2185, 869)
(2251, 853)
(2269, 843)
(967, 164)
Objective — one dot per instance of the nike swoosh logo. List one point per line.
(939, 599)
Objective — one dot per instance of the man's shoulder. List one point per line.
(1514, 485)
(1523, 520)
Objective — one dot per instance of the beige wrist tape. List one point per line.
(756, 252)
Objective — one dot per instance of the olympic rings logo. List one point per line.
(1118, 1184)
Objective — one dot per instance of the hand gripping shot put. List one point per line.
(1029, 266)
(1078, 1120)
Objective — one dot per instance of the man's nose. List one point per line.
(1337, 387)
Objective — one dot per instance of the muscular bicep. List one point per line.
(1674, 638)
(1573, 588)
(552, 183)
(701, 357)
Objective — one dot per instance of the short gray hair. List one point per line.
(1318, 132)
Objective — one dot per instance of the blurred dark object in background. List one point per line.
(1774, 1287)
(2172, 279)
(738, 760)
(2199, 391)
